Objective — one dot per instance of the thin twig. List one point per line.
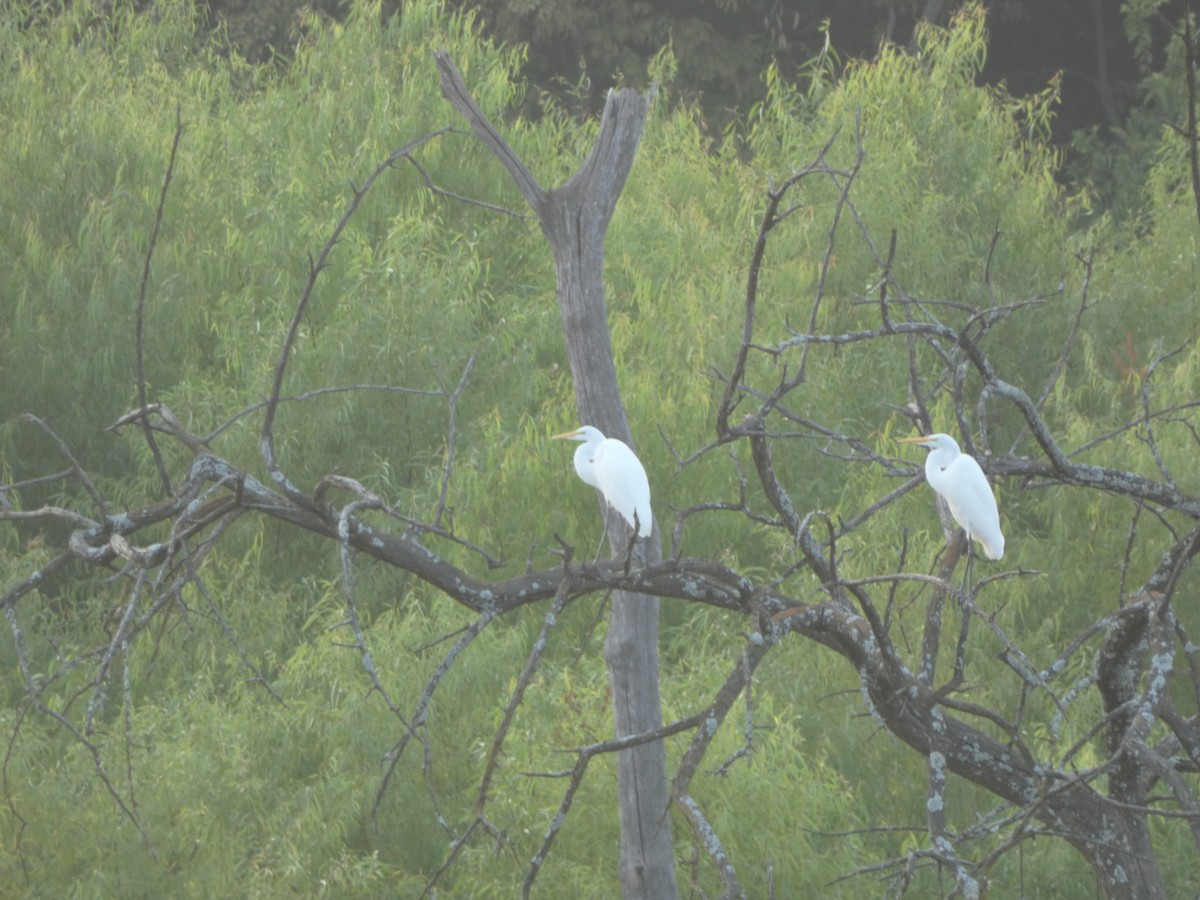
(139, 344)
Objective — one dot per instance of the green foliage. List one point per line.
(947, 165)
(1115, 164)
(243, 795)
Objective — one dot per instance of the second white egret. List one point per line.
(959, 480)
(608, 465)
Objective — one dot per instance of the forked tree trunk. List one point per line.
(574, 219)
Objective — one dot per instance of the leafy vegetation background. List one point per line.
(246, 796)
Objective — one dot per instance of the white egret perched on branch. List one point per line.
(608, 465)
(957, 478)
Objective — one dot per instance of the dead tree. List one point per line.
(1141, 640)
(574, 219)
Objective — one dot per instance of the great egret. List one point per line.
(961, 483)
(608, 465)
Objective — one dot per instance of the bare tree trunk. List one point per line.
(574, 219)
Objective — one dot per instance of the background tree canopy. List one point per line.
(1108, 60)
(233, 721)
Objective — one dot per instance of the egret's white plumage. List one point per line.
(957, 478)
(608, 465)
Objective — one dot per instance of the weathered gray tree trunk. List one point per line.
(574, 219)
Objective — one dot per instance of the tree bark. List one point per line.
(574, 219)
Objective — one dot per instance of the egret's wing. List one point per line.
(973, 505)
(622, 480)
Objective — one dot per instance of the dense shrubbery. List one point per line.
(242, 795)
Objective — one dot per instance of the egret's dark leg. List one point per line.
(633, 536)
(967, 568)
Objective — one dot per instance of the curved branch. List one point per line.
(267, 441)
